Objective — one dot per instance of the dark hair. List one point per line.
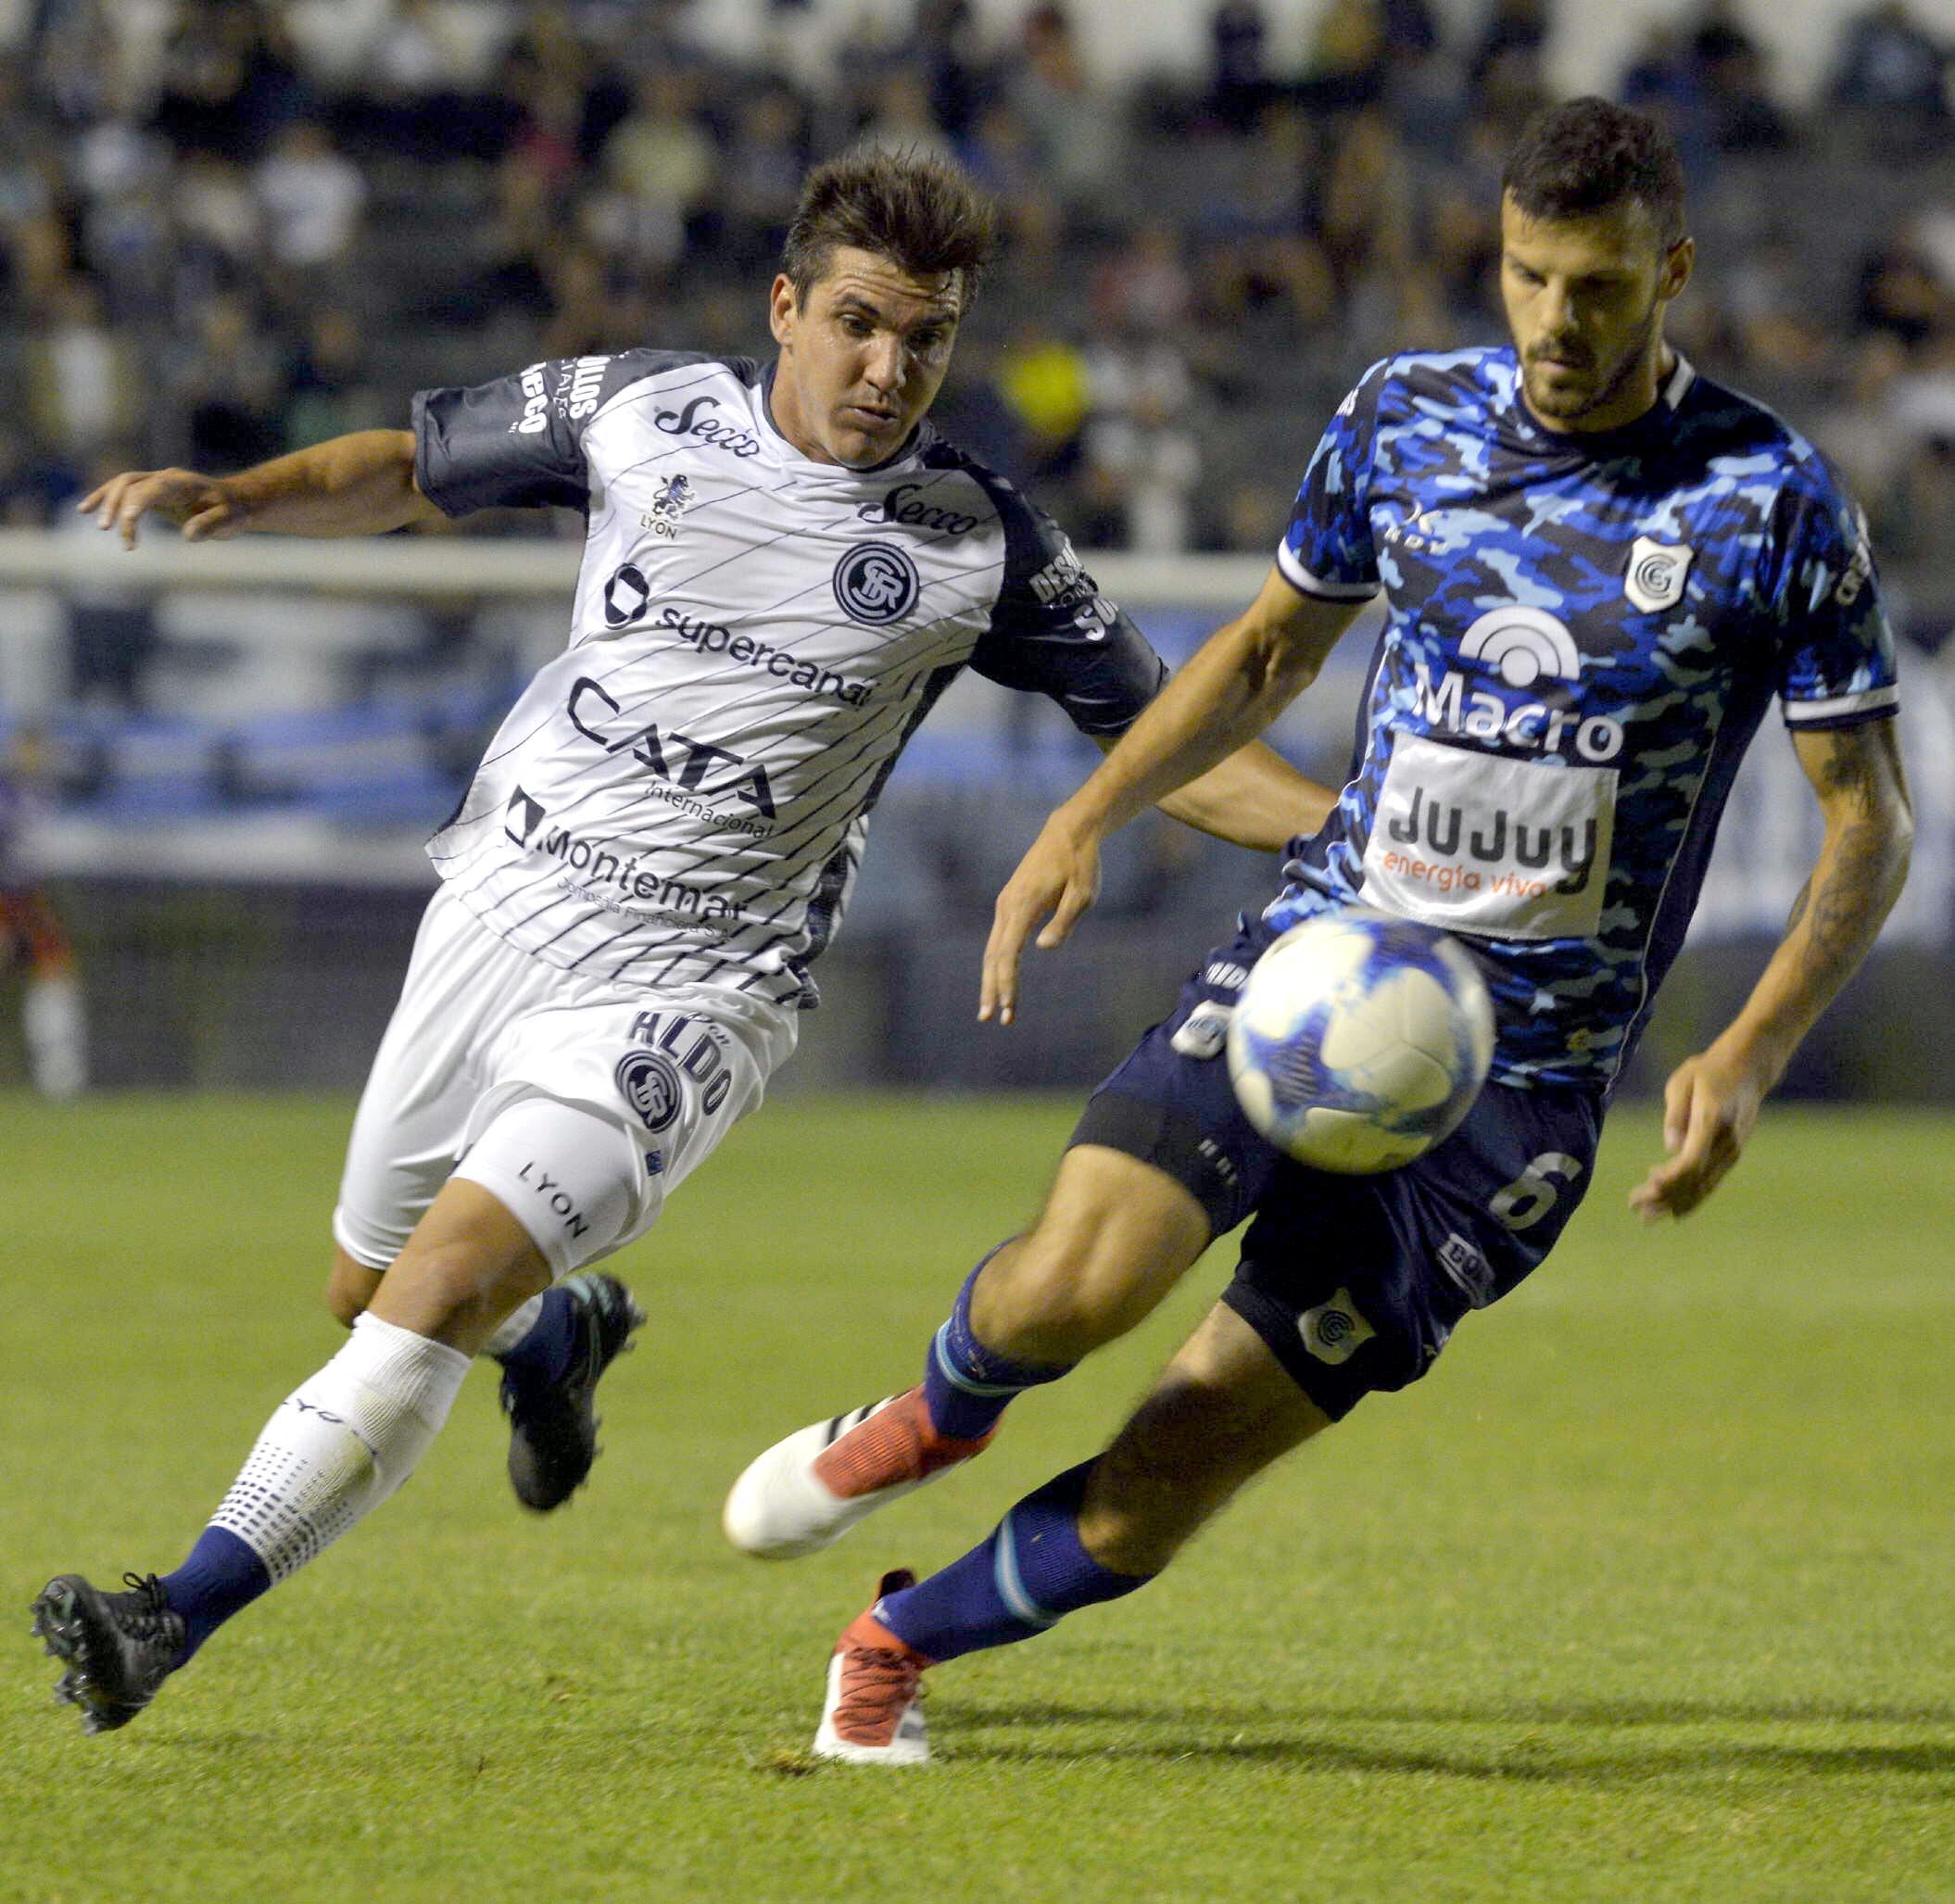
(1586, 154)
(920, 212)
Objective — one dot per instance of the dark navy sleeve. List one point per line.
(1052, 632)
(518, 442)
(1836, 646)
(1326, 551)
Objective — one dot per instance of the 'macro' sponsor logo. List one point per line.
(1483, 716)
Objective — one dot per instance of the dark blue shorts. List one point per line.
(1354, 1282)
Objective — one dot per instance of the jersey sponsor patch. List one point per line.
(1334, 1331)
(1478, 844)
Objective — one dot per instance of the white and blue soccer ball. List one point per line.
(1360, 1040)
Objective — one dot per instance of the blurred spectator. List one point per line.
(946, 50)
(1259, 229)
(312, 199)
(1901, 291)
(1369, 204)
(1768, 291)
(328, 393)
(662, 170)
(53, 1014)
(112, 636)
(34, 485)
(1349, 57)
(1071, 121)
(1144, 289)
(1859, 430)
(228, 82)
(1731, 67)
(1239, 84)
(1513, 28)
(83, 386)
(1888, 64)
(1141, 460)
(1005, 160)
(1046, 386)
(903, 119)
(225, 386)
(762, 174)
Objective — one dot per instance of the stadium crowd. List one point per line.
(234, 226)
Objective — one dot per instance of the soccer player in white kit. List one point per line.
(785, 568)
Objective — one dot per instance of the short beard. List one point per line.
(1617, 381)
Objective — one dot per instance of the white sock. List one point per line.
(515, 1325)
(56, 1022)
(341, 1443)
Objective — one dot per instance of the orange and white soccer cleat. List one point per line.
(808, 1490)
(873, 1714)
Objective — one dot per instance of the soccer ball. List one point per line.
(1360, 1040)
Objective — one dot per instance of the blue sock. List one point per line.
(1030, 1571)
(544, 1355)
(967, 1386)
(220, 1576)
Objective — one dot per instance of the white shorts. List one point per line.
(656, 1078)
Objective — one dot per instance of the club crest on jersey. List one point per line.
(876, 582)
(648, 1082)
(1334, 1331)
(676, 495)
(1656, 573)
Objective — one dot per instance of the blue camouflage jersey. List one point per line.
(1583, 633)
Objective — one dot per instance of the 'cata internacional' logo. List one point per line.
(875, 583)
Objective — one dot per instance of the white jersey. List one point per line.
(682, 795)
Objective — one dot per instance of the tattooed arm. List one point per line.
(1712, 1100)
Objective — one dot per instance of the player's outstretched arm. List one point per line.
(1240, 678)
(1254, 798)
(358, 485)
(1712, 1099)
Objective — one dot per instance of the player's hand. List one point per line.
(1710, 1106)
(200, 506)
(1057, 881)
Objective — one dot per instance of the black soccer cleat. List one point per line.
(554, 1429)
(119, 1647)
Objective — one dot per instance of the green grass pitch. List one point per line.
(1644, 1594)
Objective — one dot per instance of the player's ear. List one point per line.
(1677, 268)
(783, 307)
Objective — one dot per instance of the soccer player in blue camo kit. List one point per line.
(1599, 568)
(784, 567)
